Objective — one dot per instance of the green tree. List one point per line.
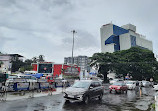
(104, 62)
(16, 64)
(41, 58)
(35, 59)
(139, 63)
(136, 62)
(27, 65)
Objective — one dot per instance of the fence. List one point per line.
(23, 89)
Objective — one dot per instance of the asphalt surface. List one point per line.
(111, 102)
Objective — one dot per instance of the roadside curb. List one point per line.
(28, 95)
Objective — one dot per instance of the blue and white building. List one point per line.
(115, 38)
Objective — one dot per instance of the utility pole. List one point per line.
(73, 32)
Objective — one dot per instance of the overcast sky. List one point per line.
(43, 27)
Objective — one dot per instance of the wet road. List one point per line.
(110, 102)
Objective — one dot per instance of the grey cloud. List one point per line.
(46, 24)
(6, 3)
(4, 40)
(82, 39)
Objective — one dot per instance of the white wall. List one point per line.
(125, 42)
(109, 48)
(105, 32)
(144, 43)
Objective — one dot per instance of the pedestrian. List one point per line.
(64, 84)
(51, 86)
(32, 88)
(137, 87)
(151, 81)
(140, 88)
(3, 92)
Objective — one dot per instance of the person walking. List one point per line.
(140, 88)
(137, 87)
(3, 92)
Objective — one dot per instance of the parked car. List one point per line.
(84, 90)
(156, 87)
(131, 84)
(118, 87)
(146, 83)
(115, 80)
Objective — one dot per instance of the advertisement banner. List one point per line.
(22, 85)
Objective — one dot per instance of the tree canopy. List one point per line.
(137, 62)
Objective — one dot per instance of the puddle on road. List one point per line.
(115, 102)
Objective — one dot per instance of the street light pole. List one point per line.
(73, 31)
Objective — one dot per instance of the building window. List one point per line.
(133, 41)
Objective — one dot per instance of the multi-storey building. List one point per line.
(114, 38)
(81, 61)
(6, 60)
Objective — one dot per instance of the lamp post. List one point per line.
(73, 32)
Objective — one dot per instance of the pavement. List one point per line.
(10, 96)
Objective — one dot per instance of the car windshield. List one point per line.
(118, 84)
(81, 84)
(115, 80)
(129, 82)
(11, 77)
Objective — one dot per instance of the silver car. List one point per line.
(84, 90)
(146, 83)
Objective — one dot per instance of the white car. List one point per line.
(115, 80)
(156, 87)
(146, 83)
(131, 84)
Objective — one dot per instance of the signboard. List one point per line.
(71, 71)
(22, 85)
(45, 68)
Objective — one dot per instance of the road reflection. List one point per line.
(131, 100)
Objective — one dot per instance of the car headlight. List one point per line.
(79, 93)
(110, 87)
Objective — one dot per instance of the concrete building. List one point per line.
(81, 61)
(6, 60)
(115, 38)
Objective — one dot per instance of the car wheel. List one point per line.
(67, 101)
(110, 91)
(86, 100)
(100, 96)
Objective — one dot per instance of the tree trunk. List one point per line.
(105, 77)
